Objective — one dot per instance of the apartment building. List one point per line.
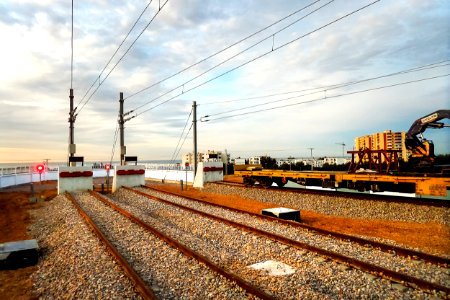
(210, 155)
(386, 140)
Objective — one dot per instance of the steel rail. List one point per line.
(383, 247)
(185, 250)
(367, 267)
(140, 285)
(356, 195)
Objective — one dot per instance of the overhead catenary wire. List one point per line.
(326, 88)
(231, 57)
(254, 59)
(174, 155)
(123, 55)
(71, 57)
(177, 152)
(184, 140)
(115, 52)
(223, 50)
(338, 85)
(327, 98)
(114, 144)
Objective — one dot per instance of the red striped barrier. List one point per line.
(212, 169)
(76, 174)
(130, 172)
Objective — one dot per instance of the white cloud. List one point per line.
(387, 37)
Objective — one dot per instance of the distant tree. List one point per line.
(268, 162)
(298, 166)
(286, 166)
(442, 159)
(334, 167)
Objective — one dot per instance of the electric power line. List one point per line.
(123, 55)
(338, 85)
(326, 98)
(114, 144)
(179, 140)
(223, 50)
(231, 57)
(256, 58)
(71, 58)
(184, 140)
(328, 88)
(115, 52)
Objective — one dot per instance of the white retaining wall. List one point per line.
(167, 175)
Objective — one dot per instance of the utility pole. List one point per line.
(72, 117)
(123, 149)
(121, 121)
(343, 146)
(194, 122)
(312, 162)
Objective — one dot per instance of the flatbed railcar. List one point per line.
(420, 185)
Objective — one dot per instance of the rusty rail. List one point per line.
(185, 250)
(377, 270)
(423, 201)
(140, 285)
(361, 241)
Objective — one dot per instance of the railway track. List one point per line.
(99, 212)
(143, 289)
(413, 279)
(345, 237)
(353, 195)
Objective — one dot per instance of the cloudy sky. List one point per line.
(272, 77)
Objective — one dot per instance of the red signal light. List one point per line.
(107, 167)
(40, 168)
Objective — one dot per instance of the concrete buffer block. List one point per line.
(208, 171)
(74, 179)
(282, 213)
(129, 176)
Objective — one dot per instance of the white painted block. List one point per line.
(129, 176)
(273, 268)
(73, 179)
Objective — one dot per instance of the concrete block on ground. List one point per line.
(282, 213)
(18, 254)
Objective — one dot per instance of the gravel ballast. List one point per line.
(340, 206)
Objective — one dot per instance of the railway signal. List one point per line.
(40, 169)
(107, 168)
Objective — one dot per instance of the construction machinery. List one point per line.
(422, 150)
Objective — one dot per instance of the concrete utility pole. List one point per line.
(311, 151)
(121, 121)
(123, 149)
(72, 117)
(194, 122)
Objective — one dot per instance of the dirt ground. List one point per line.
(15, 206)
(14, 219)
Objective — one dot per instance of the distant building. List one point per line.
(239, 161)
(386, 140)
(254, 160)
(335, 160)
(210, 155)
